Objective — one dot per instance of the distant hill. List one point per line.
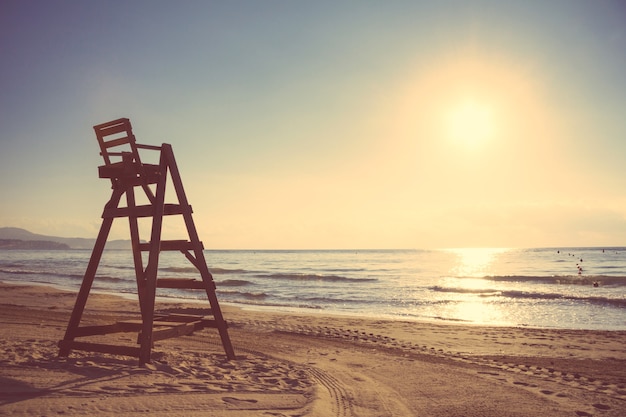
(17, 234)
(15, 244)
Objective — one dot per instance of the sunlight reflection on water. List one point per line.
(475, 262)
(473, 299)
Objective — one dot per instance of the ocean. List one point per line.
(566, 288)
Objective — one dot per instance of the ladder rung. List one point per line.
(145, 211)
(180, 245)
(99, 347)
(181, 283)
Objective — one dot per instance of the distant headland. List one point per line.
(21, 239)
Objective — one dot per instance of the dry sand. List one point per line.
(303, 365)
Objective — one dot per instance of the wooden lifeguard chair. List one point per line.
(124, 167)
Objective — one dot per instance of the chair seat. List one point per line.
(122, 170)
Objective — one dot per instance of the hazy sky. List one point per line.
(324, 124)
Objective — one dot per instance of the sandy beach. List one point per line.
(303, 365)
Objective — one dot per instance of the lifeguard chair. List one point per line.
(124, 167)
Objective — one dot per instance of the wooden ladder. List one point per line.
(123, 166)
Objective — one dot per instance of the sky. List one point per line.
(326, 125)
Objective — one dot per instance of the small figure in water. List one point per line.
(596, 284)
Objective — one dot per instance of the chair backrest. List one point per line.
(116, 139)
(121, 156)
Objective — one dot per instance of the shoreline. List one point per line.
(305, 364)
(310, 311)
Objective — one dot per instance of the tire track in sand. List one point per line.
(341, 404)
(342, 407)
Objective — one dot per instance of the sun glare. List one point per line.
(470, 123)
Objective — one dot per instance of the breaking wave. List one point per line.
(314, 277)
(514, 294)
(563, 279)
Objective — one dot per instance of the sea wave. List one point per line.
(122, 267)
(233, 283)
(614, 302)
(459, 290)
(193, 269)
(54, 276)
(228, 271)
(107, 278)
(610, 267)
(275, 305)
(563, 279)
(529, 295)
(244, 294)
(263, 300)
(313, 277)
(10, 271)
(328, 300)
(182, 269)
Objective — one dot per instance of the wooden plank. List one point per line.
(97, 330)
(116, 142)
(136, 325)
(130, 177)
(138, 211)
(117, 153)
(125, 122)
(175, 245)
(99, 347)
(114, 129)
(150, 147)
(115, 170)
(199, 262)
(175, 331)
(130, 325)
(213, 324)
(170, 245)
(90, 273)
(144, 211)
(203, 321)
(168, 321)
(185, 317)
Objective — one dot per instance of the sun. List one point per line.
(470, 122)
